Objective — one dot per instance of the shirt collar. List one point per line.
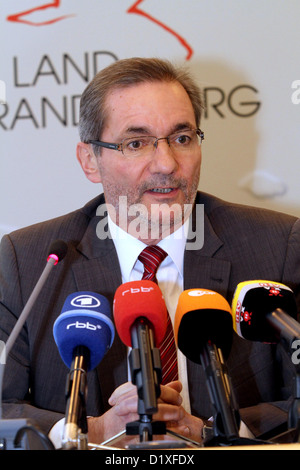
(173, 244)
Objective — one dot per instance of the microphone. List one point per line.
(203, 332)
(140, 316)
(83, 333)
(265, 311)
(56, 252)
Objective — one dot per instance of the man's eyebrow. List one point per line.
(140, 130)
(137, 130)
(182, 126)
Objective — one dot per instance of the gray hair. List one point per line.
(125, 73)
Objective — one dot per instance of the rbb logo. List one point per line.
(136, 290)
(87, 325)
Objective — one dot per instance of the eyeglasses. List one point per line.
(179, 142)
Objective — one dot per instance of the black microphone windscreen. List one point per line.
(58, 248)
(253, 301)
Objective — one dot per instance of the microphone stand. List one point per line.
(75, 436)
(226, 417)
(294, 411)
(292, 434)
(145, 366)
(288, 330)
(12, 429)
(226, 414)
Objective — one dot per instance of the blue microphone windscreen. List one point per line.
(85, 321)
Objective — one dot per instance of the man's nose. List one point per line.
(161, 138)
(163, 159)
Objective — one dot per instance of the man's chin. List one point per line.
(165, 220)
(151, 220)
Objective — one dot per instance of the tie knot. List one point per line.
(151, 257)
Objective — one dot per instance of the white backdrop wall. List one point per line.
(244, 54)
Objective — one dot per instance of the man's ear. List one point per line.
(88, 162)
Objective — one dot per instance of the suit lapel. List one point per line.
(98, 265)
(201, 269)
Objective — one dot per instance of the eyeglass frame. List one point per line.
(119, 147)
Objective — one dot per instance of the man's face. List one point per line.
(162, 178)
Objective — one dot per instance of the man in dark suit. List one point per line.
(121, 110)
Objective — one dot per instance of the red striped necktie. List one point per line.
(151, 257)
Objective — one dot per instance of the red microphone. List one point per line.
(136, 300)
(140, 316)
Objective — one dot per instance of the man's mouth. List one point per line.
(162, 190)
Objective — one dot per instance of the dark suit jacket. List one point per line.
(240, 243)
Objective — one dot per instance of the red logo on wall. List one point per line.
(135, 9)
(24, 17)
